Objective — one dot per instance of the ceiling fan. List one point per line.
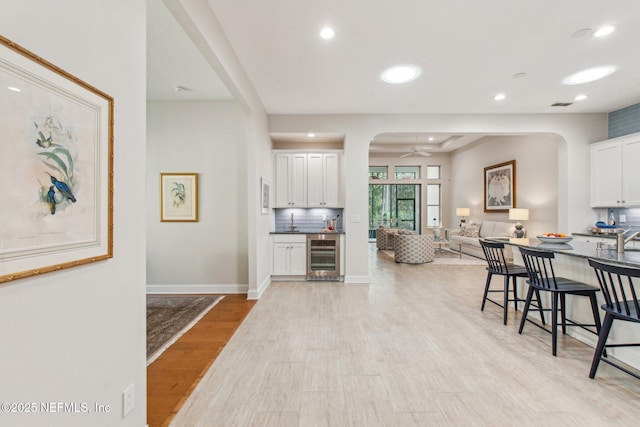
(422, 151)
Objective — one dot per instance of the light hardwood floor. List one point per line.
(174, 375)
(410, 349)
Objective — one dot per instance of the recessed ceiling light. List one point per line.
(400, 74)
(580, 97)
(589, 75)
(13, 88)
(500, 97)
(182, 89)
(431, 138)
(311, 135)
(604, 31)
(327, 33)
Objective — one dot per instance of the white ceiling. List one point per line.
(468, 52)
(173, 60)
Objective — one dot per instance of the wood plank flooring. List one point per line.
(410, 349)
(174, 375)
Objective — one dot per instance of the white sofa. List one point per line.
(467, 238)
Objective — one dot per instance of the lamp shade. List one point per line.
(519, 214)
(463, 211)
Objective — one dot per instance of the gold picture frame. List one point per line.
(56, 166)
(178, 197)
(500, 187)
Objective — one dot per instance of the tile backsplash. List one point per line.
(307, 220)
(624, 217)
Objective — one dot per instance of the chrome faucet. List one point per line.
(621, 240)
(293, 227)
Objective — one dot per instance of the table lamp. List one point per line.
(463, 213)
(519, 215)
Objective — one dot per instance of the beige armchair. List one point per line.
(414, 248)
(385, 237)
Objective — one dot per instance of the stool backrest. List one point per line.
(539, 268)
(494, 254)
(620, 286)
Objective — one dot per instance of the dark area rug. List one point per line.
(170, 316)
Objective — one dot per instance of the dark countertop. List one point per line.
(307, 232)
(580, 249)
(603, 235)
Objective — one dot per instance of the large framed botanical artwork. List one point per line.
(500, 187)
(56, 167)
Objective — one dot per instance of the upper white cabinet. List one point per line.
(614, 172)
(323, 180)
(308, 180)
(291, 180)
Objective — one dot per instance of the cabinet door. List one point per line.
(606, 174)
(631, 172)
(331, 180)
(298, 181)
(281, 258)
(298, 258)
(315, 181)
(283, 177)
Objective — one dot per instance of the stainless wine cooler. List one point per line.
(323, 256)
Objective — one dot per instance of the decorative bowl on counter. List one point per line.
(554, 239)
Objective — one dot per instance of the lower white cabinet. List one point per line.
(289, 255)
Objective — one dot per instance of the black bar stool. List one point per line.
(497, 264)
(620, 286)
(543, 279)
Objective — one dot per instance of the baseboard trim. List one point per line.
(198, 289)
(261, 288)
(356, 279)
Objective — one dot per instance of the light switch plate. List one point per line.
(355, 218)
(128, 400)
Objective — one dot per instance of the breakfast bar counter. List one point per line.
(571, 261)
(580, 249)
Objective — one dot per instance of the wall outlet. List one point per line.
(623, 218)
(324, 217)
(128, 400)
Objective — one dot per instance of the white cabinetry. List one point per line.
(308, 180)
(289, 254)
(291, 180)
(323, 180)
(615, 173)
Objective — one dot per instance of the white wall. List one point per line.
(536, 159)
(202, 26)
(78, 335)
(207, 138)
(577, 130)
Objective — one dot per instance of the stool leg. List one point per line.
(596, 317)
(602, 341)
(596, 313)
(563, 315)
(526, 309)
(515, 292)
(506, 298)
(540, 307)
(486, 290)
(554, 323)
